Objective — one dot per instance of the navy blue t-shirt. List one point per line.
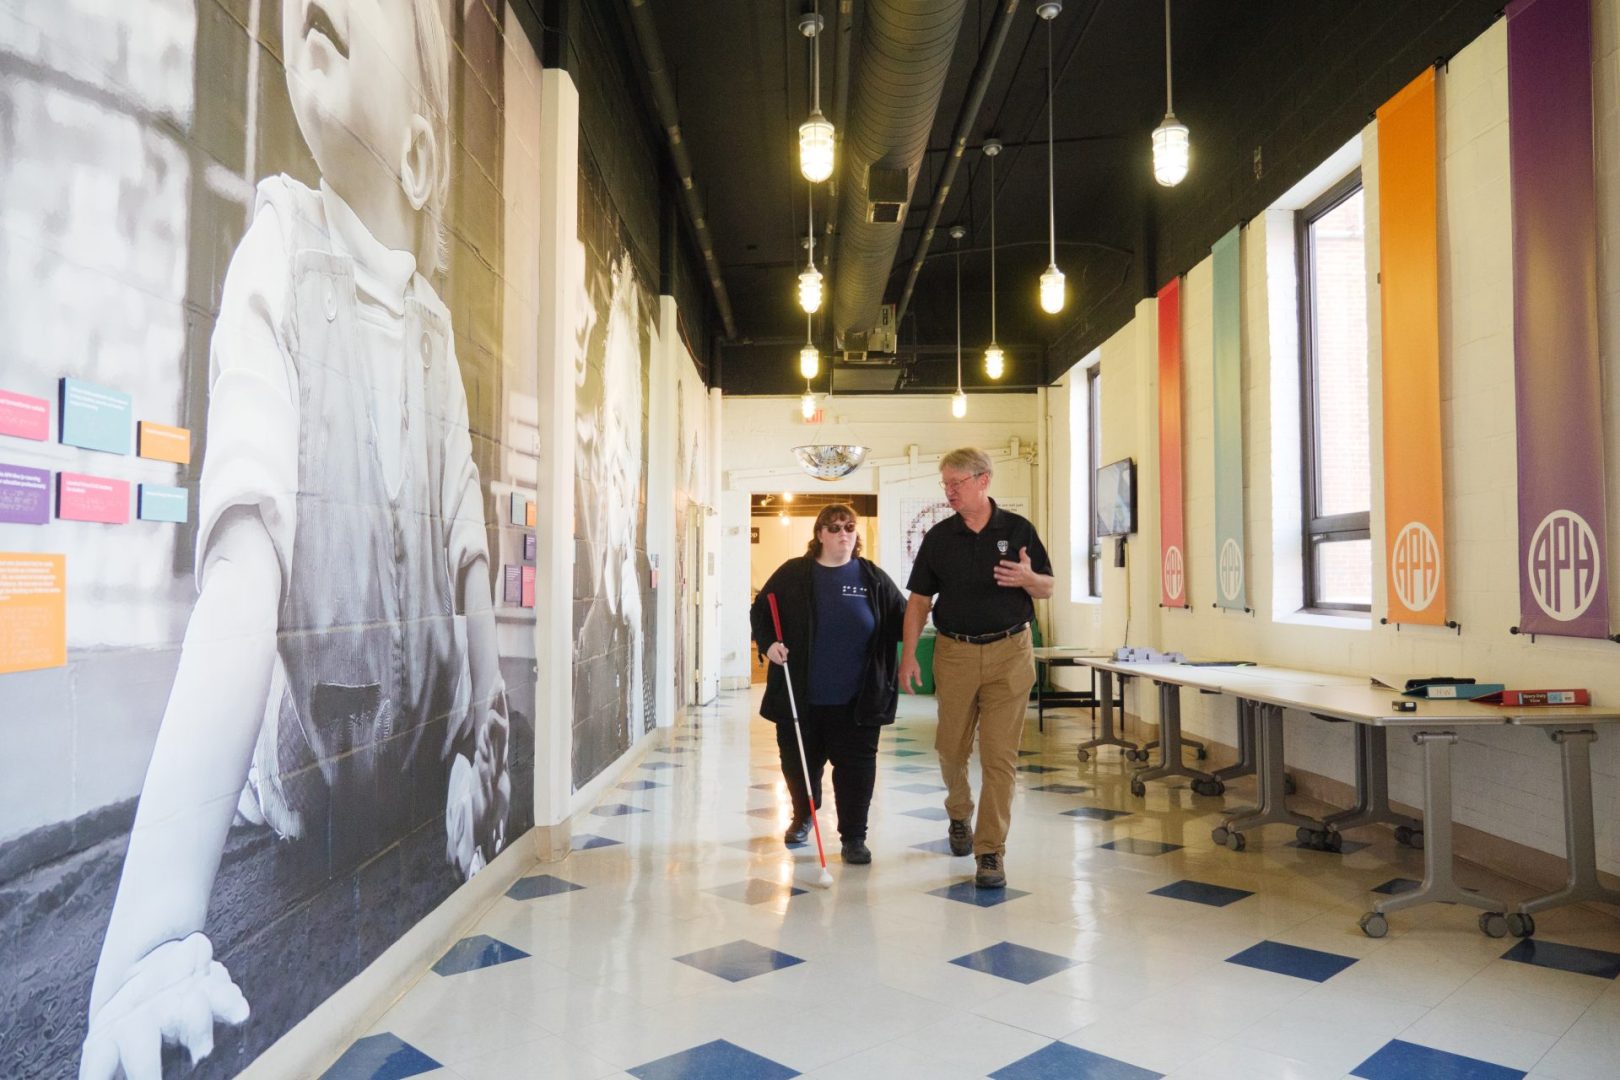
(844, 628)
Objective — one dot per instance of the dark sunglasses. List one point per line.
(847, 526)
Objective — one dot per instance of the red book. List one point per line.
(1540, 697)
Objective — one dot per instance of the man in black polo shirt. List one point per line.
(986, 566)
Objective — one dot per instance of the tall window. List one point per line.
(1094, 457)
(1085, 445)
(1333, 381)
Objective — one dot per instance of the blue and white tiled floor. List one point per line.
(680, 939)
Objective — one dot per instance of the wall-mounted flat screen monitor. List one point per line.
(1116, 498)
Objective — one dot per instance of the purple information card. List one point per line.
(25, 495)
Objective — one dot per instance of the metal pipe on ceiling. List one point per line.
(657, 69)
(906, 48)
(983, 71)
(843, 37)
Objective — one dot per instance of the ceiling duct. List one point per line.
(905, 52)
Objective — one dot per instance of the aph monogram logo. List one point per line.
(1564, 565)
(1414, 566)
(1231, 569)
(1174, 572)
(1001, 546)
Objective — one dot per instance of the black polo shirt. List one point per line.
(957, 567)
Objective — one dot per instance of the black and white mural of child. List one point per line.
(614, 607)
(337, 740)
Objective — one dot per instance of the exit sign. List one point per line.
(813, 418)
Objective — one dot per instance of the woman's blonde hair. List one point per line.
(832, 512)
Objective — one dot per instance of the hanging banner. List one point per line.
(1555, 328)
(1172, 527)
(1409, 270)
(1231, 589)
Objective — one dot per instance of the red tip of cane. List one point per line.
(776, 616)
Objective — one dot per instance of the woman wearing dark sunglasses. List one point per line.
(842, 619)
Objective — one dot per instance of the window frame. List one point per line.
(1318, 529)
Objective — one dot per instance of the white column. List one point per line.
(661, 481)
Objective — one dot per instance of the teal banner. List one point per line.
(1231, 584)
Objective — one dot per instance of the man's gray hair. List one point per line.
(968, 459)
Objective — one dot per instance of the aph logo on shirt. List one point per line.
(1002, 546)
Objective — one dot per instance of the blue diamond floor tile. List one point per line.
(904, 753)
(755, 890)
(380, 1057)
(1096, 813)
(661, 765)
(1061, 1061)
(1017, 963)
(1063, 789)
(938, 847)
(738, 960)
(969, 893)
(532, 888)
(1350, 847)
(586, 841)
(764, 811)
(640, 785)
(718, 1060)
(1202, 893)
(1130, 845)
(764, 787)
(903, 739)
(478, 951)
(617, 810)
(921, 789)
(1312, 964)
(928, 813)
(914, 769)
(1575, 958)
(1397, 885)
(1038, 769)
(1397, 1060)
(674, 750)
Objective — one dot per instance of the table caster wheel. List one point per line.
(1201, 753)
(1493, 924)
(1521, 925)
(1289, 787)
(1329, 840)
(1138, 788)
(1219, 835)
(1236, 841)
(1132, 755)
(1374, 925)
(1412, 838)
(1083, 755)
(1306, 837)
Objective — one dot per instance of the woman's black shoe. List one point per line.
(797, 833)
(857, 853)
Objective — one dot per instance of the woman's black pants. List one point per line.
(831, 734)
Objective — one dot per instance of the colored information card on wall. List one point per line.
(160, 442)
(33, 611)
(24, 417)
(25, 495)
(160, 502)
(528, 586)
(92, 498)
(94, 417)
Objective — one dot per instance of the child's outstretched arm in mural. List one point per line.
(157, 980)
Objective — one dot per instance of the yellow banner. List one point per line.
(1408, 264)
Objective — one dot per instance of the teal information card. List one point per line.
(94, 417)
(160, 502)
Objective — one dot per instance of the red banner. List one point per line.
(1172, 526)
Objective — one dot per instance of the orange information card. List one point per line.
(33, 611)
(163, 443)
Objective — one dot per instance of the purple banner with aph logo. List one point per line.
(1555, 325)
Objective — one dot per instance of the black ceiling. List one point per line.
(1292, 79)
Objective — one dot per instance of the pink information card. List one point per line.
(92, 498)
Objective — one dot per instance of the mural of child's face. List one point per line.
(351, 73)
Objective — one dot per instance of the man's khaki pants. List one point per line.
(982, 689)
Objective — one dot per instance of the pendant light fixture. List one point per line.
(995, 361)
(816, 133)
(807, 403)
(1170, 143)
(809, 358)
(958, 399)
(1052, 280)
(810, 280)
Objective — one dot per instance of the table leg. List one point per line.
(1272, 785)
(1106, 736)
(1372, 795)
(1439, 883)
(1583, 884)
(1171, 744)
(1245, 765)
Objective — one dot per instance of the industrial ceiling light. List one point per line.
(810, 280)
(995, 361)
(1170, 144)
(807, 403)
(816, 133)
(1052, 280)
(809, 358)
(958, 399)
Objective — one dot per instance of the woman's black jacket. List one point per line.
(795, 596)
